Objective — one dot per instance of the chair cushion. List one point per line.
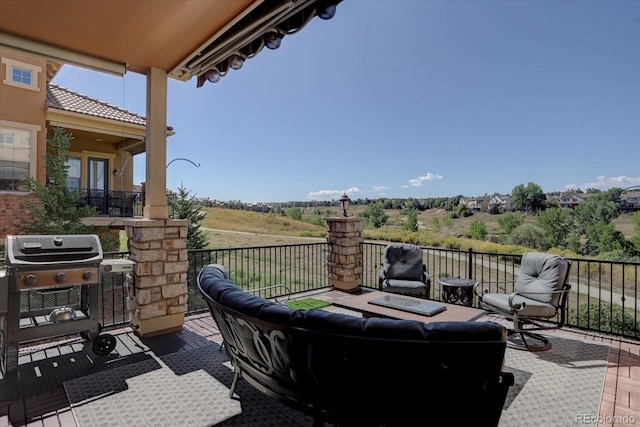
(404, 286)
(532, 308)
(540, 272)
(402, 261)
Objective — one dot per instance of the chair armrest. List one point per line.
(475, 290)
(425, 274)
(519, 307)
(478, 283)
(286, 294)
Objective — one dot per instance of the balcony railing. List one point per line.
(604, 295)
(113, 203)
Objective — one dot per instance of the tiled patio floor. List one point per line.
(42, 400)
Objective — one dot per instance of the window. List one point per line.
(17, 157)
(73, 173)
(21, 74)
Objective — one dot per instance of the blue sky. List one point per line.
(411, 98)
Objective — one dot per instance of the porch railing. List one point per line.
(113, 203)
(604, 295)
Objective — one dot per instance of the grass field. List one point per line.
(228, 228)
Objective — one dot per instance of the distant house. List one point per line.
(499, 203)
(631, 201)
(476, 203)
(570, 200)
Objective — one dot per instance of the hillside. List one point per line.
(229, 228)
(236, 228)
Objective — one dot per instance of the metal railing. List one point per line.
(301, 267)
(604, 297)
(113, 203)
(604, 294)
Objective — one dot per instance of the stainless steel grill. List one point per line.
(48, 289)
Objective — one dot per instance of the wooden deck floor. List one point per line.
(41, 399)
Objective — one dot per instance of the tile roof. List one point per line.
(64, 99)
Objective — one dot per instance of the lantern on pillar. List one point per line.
(344, 203)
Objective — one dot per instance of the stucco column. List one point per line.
(157, 295)
(345, 253)
(156, 146)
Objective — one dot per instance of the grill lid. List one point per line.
(71, 248)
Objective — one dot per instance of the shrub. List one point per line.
(452, 243)
(527, 235)
(605, 317)
(478, 230)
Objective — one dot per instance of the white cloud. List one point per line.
(604, 183)
(331, 194)
(417, 182)
(379, 188)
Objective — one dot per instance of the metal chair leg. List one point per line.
(544, 343)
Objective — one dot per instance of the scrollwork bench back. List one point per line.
(348, 370)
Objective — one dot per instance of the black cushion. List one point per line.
(356, 371)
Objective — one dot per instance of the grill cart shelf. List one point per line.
(48, 288)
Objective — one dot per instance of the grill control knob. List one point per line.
(61, 277)
(87, 275)
(30, 279)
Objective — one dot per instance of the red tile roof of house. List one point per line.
(64, 99)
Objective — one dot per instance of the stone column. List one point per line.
(157, 296)
(345, 253)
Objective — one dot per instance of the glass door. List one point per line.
(97, 184)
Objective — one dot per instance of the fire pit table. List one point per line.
(456, 290)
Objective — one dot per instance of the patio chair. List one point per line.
(403, 272)
(540, 294)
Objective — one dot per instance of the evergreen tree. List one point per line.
(55, 210)
(184, 207)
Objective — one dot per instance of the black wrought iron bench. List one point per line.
(347, 370)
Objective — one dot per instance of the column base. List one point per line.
(346, 286)
(159, 325)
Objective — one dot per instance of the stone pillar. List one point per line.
(345, 253)
(157, 296)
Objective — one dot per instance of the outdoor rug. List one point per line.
(553, 387)
(160, 391)
(191, 388)
(182, 389)
(307, 303)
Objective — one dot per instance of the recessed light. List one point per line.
(99, 139)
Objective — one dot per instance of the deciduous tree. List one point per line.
(529, 199)
(510, 221)
(411, 224)
(375, 215)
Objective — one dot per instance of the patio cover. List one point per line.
(179, 39)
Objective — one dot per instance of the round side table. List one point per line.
(456, 290)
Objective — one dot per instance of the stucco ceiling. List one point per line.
(177, 36)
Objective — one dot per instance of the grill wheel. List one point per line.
(103, 344)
